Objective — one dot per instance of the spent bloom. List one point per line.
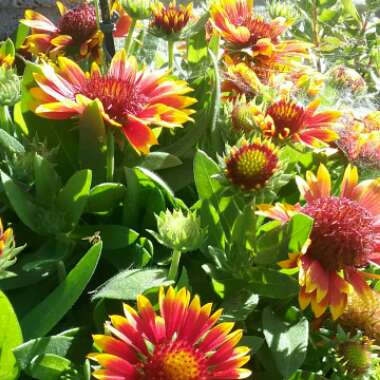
(183, 342)
(363, 314)
(290, 120)
(169, 21)
(344, 239)
(179, 231)
(359, 139)
(252, 164)
(345, 79)
(130, 99)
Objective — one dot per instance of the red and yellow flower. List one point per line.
(345, 237)
(236, 22)
(289, 120)
(252, 164)
(183, 342)
(170, 20)
(76, 28)
(240, 27)
(129, 99)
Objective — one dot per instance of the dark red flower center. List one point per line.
(120, 97)
(79, 23)
(175, 361)
(343, 233)
(287, 117)
(251, 166)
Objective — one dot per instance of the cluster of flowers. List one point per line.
(263, 74)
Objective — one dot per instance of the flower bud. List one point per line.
(179, 231)
(284, 9)
(356, 357)
(137, 9)
(9, 87)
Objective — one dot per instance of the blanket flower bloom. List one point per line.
(129, 99)
(250, 37)
(345, 237)
(171, 20)
(183, 342)
(76, 28)
(299, 123)
(240, 27)
(251, 165)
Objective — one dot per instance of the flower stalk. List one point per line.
(171, 54)
(128, 40)
(110, 155)
(173, 270)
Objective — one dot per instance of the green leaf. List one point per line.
(39, 219)
(40, 320)
(113, 236)
(47, 181)
(237, 307)
(128, 284)
(269, 244)
(57, 345)
(271, 283)
(298, 231)
(72, 198)
(350, 9)
(159, 161)
(159, 182)
(10, 144)
(92, 142)
(253, 342)
(10, 337)
(204, 169)
(288, 344)
(49, 367)
(132, 199)
(105, 196)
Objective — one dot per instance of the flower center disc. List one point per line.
(119, 97)
(342, 234)
(79, 23)
(251, 166)
(175, 361)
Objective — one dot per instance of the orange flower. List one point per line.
(76, 28)
(183, 342)
(345, 237)
(265, 53)
(237, 24)
(129, 99)
(305, 125)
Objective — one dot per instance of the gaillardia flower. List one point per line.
(345, 238)
(171, 20)
(129, 99)
(299, 123)
(183, 342)
(240, 27)
(76, 29)
(251, 165)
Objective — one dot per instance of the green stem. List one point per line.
(128, 40)
(110, 155)
(173, 271)
(253, 207)
(171, 54)
(61, 271)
